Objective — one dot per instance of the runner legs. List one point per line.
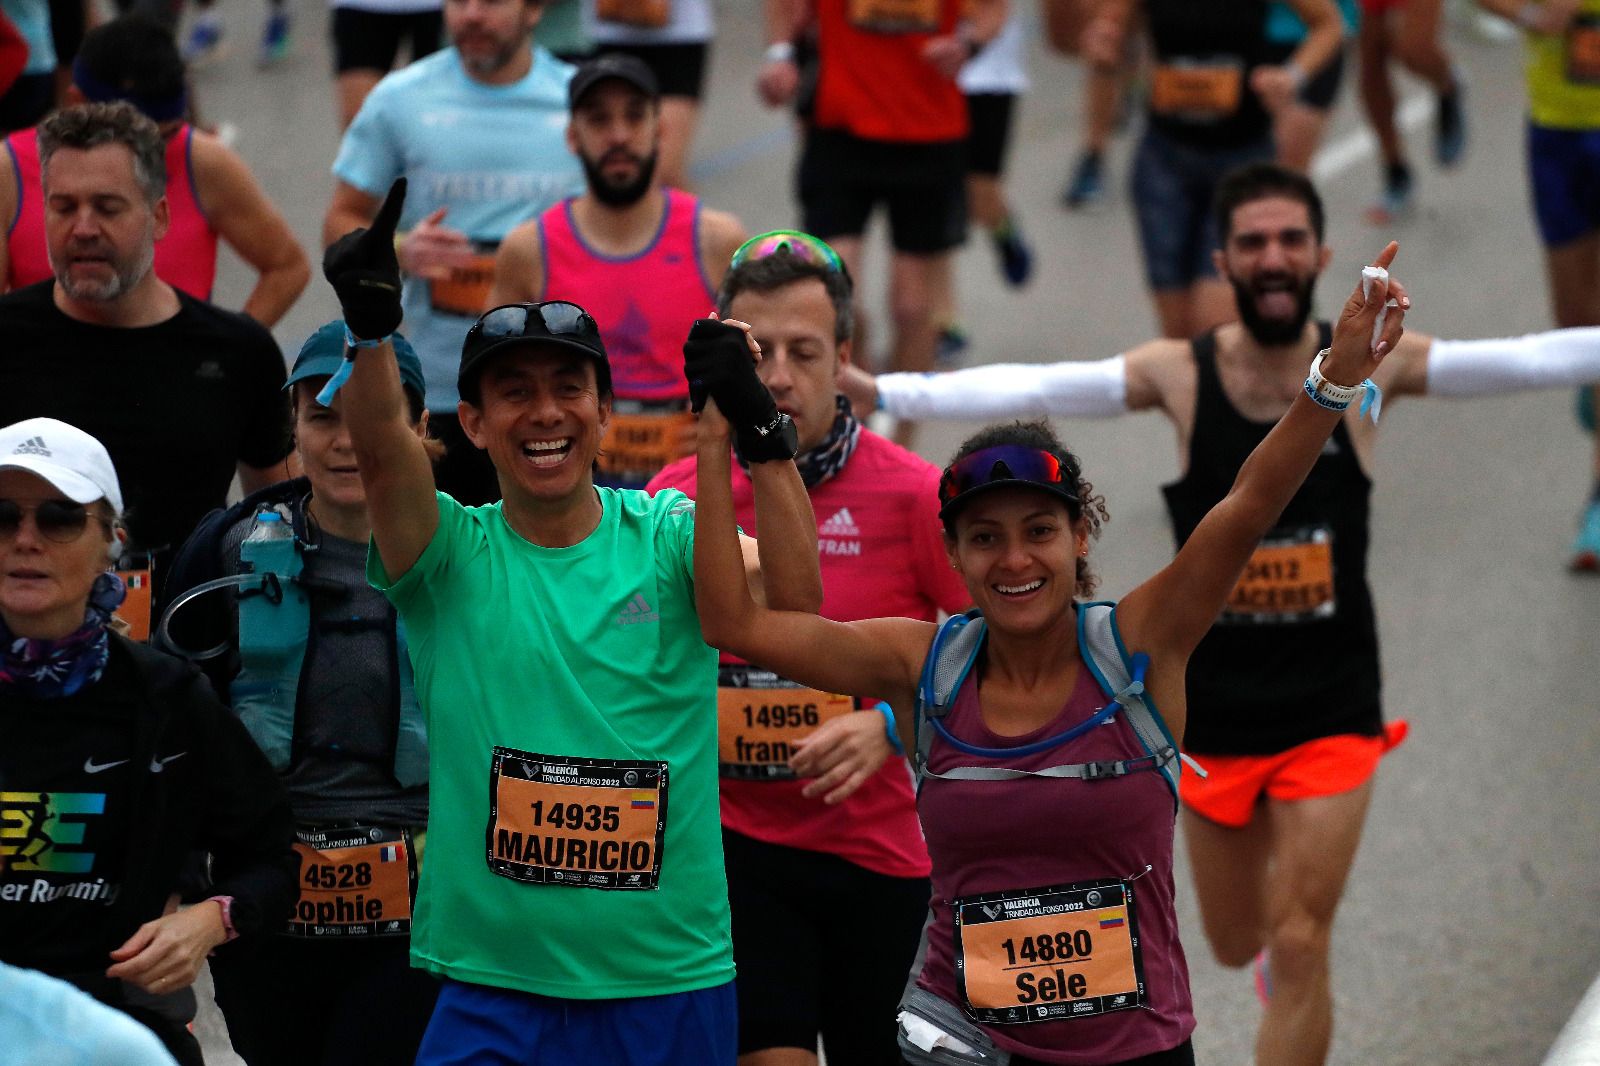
(1377, 88)
(679, 117)
(1230, 881)
(1416, 43)
(1313, 844)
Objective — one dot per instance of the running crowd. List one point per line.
(577, 679)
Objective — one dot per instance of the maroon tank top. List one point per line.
(1020, 836)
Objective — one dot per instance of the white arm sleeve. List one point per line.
(1010, 390)
(1538, 361)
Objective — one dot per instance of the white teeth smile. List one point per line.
(547, 452)
(1013, 590)
(549, 445)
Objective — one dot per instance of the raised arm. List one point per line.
(394, 466)
(1557, 358)
(880, 657)
(1168, 614)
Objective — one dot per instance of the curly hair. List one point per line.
(1038, 434)
(88, 126)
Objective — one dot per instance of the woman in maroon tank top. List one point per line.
(1052, 919)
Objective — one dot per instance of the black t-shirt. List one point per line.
(178, 405)
(1205, 51)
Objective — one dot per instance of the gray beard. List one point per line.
(123, 282)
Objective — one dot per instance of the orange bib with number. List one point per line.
(354, 881)
(646, 14)
(642, 438)
(135, 607)
(588, 823)
(1048, 954)
(895, 16)
(1197, 91)
(760, 716)
(1288, 579)
(1583, 51)
(465, 291)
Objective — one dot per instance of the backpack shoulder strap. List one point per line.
(950, 659)
(1121, 677)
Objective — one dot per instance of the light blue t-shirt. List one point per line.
(32, 20)
(46, 1022)
(494, 155)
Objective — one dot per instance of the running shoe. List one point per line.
(204, 43)
(1088, 182)
(1263, 973)
(1450, 138)
(274, 38)
(1586, 548)
(950, 347)
(1395, 202)
(1016, 258)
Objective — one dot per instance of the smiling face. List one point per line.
(541, 418)
(800, 360)
(100, 230)
(45, 583)
(1272, 258)
(1017, 549)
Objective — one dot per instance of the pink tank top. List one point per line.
(186, 258)
(1025, 836)
(643, 303)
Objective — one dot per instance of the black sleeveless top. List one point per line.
(1294, 654)
(1204, 53)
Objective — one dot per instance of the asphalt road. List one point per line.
(1471, 926)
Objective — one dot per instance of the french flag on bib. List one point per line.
(389, 853)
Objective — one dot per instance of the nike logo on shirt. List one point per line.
(92, 767)
(157, 765)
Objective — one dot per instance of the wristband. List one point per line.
(888, 726)
(352, 341)
(1334, 397)
(225, 904)
(779, 52)
(779, 439)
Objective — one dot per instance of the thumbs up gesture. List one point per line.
(365, 273)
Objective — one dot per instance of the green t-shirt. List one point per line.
(562, 686)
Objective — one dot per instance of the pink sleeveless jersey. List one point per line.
(643, 303)
(1021, 836)
(882, 555)
(186, 258)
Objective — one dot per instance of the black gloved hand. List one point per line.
(365, 271)
(717, 362)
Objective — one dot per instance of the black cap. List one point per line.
(619, 65)
(557, 323)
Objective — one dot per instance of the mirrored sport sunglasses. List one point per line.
(61, 521)
(802, 246)
(558, 318)
(1005, 463)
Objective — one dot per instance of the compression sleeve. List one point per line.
(1538, 361)
(1002, 390)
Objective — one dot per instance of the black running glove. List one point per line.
(365, 272)
(717, 362)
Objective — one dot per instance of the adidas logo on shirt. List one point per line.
(838, 535)
(32, 446)
(840, 525)
(637, 612)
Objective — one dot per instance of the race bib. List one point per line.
(1289, 579)
(354, 881)
(1049, 954)
(135, 608)
(641, 439)
(1197, 90)
(646, 14)
(465, 291)
(1583, 50)
(760, 716)
(588, 823)
(895, 16)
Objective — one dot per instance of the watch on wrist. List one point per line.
(779, 439)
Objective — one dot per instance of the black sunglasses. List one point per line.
(61, 521)
(558, 317)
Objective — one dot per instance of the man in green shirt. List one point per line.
(572, 893)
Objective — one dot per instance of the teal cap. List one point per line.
(323, 352)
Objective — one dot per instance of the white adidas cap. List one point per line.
(67, 457)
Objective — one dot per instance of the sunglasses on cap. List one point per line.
(802, 246)
(555, 318)
(61, 521)
(1004, 464)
